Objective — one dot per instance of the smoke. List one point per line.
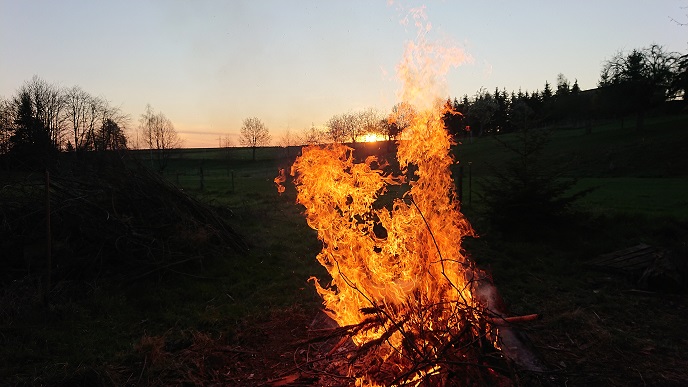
(425, 64)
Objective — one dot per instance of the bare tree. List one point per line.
(336, 128)
(47, 103)
(312, 136)
(352, 126)
(369, 122)
(7, 119)
(286, 141)
(254, 134)
(639, 80)
(226, 141)
(399, 119)
(160, 136)
(83, 113)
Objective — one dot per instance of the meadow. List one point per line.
(237, 318)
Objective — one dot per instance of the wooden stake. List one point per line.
(513, 319)
(48, 240)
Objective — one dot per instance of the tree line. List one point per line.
(631, 84)
(42, 119)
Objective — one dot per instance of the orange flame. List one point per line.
(404, 260)
(279, 181)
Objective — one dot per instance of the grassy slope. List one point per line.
(634, 172)
(595, 329)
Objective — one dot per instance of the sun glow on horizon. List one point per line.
(372, 137)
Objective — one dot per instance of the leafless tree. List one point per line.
(638, 80)
(336, 129)
(286, 141)
(369, 122)
(48, 105)
(312, 136)
(399, 119)
(226, 141)
(254, 134)
(84, 115)
(352, 126)
(160, 136)
(6, 124)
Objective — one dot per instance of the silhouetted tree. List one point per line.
(679, 84)
(638, 80)
(452, 118)
(6, 125)
(501, 115)
(46, 104)
(546, 92)
(563, 87)
(369, 122)
(254, 134)
(399, 119)
(160, 136)
(482, 111)
(336, 129)
(312, 136)
(30, 141)
(352, 126)
(521, 114)
(110, 136)
(82, 116)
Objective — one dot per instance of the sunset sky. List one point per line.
(207, 65)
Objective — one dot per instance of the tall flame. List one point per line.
(402, 263)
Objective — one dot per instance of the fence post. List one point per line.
(460, 179)
(470, 183)
(202, 177)
(48, 238)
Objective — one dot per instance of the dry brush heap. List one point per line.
(107, 219)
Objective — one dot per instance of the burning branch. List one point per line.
(411, 302)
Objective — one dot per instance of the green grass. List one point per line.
(609, 151)
(655, 197)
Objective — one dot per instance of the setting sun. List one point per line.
(372, 137)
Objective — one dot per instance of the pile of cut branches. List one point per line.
(443, 356)
(106, 220)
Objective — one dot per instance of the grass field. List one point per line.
(240, 315)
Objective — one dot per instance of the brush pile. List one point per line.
(107, 219)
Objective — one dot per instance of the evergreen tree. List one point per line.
(452, 118)
(31, 141)
(501, 118)
(563, 87)
(575, 89)
(527, 196)
(547, 92)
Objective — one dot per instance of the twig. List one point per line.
(512, 319)
(341, 342)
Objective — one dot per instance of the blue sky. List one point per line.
(207, 65)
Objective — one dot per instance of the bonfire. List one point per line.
(402, 289)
